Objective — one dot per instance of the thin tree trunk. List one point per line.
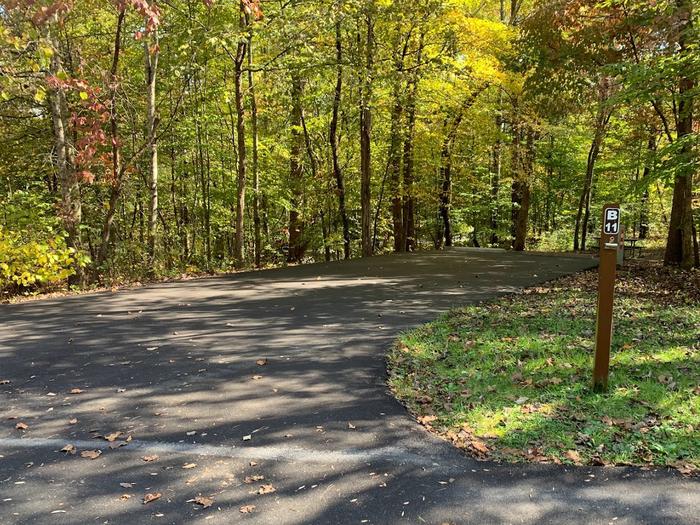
(117, 171)
(446, 179)
(254, 168)
(644, 208)
(203, 178)
(333, 137)
(238, 249)
(584, 205)
(394, 165)
(365, 137)
(496, 156)
(409, 223)
(151, 58)
(295, 173)
(446, 193)
(70, 208)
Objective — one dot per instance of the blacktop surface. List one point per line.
(176, 367)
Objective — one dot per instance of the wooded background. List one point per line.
(143, 138)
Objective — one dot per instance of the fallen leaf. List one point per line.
(77, 391)
(126, 485)
(261, 362)
(253, 479)
(351, 426)
(189, 465)
(151, 496)
(69, 449)
(204, 501)
(256, 377)
(247, 509)
(148, 459)
(479, 446)
(266, 489)
(573, 456)
(686, 469)
(21, 426)
(111, 437)
(125, 497)
(73, 421)
(91, 454)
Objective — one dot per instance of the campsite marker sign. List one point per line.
(609, 246)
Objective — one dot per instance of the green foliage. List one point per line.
(30, 263)
(534, 72)
(33, 251)
(514, 378)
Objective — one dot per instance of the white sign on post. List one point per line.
(612, 221)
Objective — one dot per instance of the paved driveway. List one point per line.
(176, 366)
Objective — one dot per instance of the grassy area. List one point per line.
(511, 380)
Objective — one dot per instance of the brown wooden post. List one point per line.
(609, 243)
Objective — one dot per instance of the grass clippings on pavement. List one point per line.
(511, 380)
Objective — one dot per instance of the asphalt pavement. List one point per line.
(261, 397)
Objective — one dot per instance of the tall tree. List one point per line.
(296, 172)
(151, 53)
(333, 135)
(679, 245)
(366, 129)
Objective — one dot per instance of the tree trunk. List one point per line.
(365, 137)
(238, 245)
(70, 208)
(333, 137)
(496, 158)
(644, 207)
(448, 142)
(203, 171)
(446, 178)
(254, 168)
(679, 244)
(151, 57)
(394, 165)
(295, 173)
(446, 192)
(117, 172)
(584, 205)
(520, 190)
(409, 223)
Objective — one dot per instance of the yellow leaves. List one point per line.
(30, 262)
(40, 95)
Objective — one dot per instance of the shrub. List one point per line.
(28, 263)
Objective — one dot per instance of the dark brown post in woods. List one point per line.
(609, 245)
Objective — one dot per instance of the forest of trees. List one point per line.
(145, 138)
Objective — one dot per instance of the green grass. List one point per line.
(511, 380)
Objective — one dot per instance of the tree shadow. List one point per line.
(166, 360)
